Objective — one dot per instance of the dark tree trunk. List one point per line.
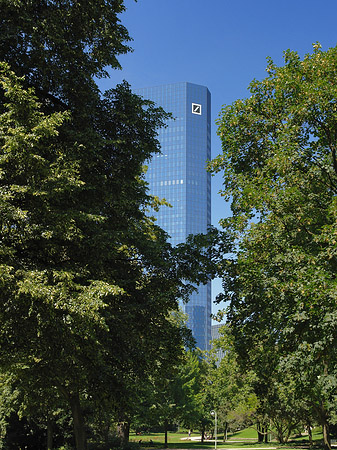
(225, 432)
(326, 435)
(310, 434)
(260, 435)
(324, 415)
(166, 427)
(123, 432)
(325, 426)
(106, 432)
(49, 434)
(266, 435)
(203, 434)
(78, 420)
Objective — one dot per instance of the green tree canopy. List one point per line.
(280, 170)
(61, 45)
(88, 280)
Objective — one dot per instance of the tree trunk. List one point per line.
(78, 420)
(325, 426)
(49, 434)
(324, 415)
(225, 432)
(260, 435)
(203, 434)
(266, 435)
(326, 435)
(166, 427)
(310, 434)
(106, 432)
(279, 432)
(123, 432)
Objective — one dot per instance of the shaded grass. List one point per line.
(244, 439)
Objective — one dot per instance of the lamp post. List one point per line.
(215, 427)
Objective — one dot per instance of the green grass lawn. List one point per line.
(247, 433)
(244, 439)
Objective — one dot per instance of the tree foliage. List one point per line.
(61, 45)
(231, 387)
(280, 169)
(88, 280)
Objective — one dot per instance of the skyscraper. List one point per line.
(220, 353)
(178, 174)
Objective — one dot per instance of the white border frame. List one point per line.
(193, 110)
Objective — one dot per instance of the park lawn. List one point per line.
(248, 438)
(316, 435)
(180, 441)
(251, 434)
(172, 437)
(247, 433)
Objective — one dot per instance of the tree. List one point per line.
(279, 162)
(87, 278)
(61, 45)
(88, 289)
(83, 267)
(171, 396)
(232, 388)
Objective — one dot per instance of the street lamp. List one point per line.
(215, 428)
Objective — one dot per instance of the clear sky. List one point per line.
(221, 44)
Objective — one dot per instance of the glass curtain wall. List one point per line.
(178, 174)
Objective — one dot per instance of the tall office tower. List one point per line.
(220, 353)
(178, 174)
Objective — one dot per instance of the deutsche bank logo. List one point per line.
(196, 109)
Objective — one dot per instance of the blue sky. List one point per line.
(221, 44)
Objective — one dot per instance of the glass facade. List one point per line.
(178, 174)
